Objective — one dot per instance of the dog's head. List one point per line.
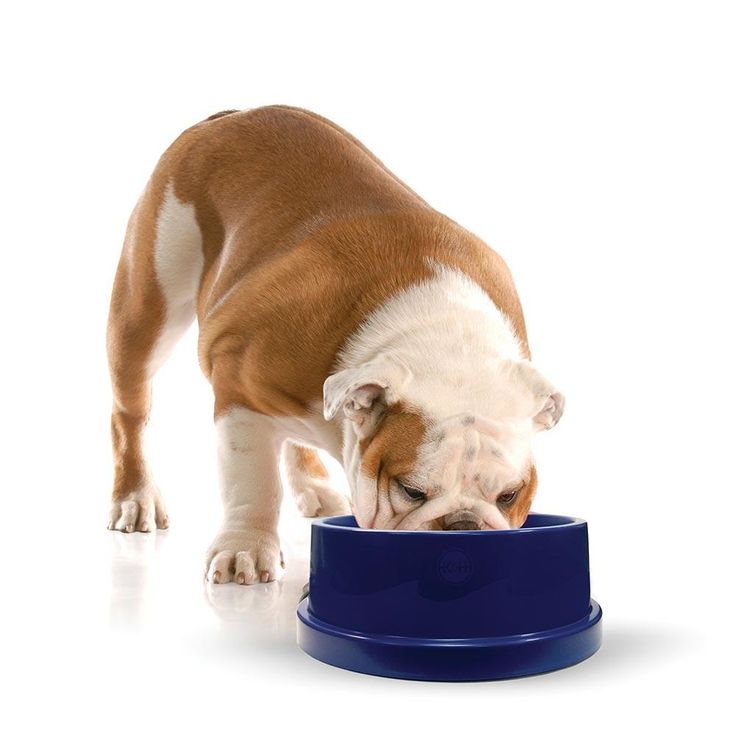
(423, 453)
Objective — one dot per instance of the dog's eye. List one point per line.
(414, 493)
(508, 497)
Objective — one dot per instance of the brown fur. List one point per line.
(391, 452)
(520, 509)
(136, 317)
(322, 229)
(307, 461)
(392, 449)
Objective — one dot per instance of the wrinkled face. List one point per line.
(464, 472)
(415, 462)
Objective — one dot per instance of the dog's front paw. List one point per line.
(245, 556)
(140, 511)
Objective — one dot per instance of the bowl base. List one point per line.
(450, 660)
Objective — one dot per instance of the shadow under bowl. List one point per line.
(450, 605)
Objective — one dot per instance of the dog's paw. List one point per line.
(140, 511)
(245, 557)
(316, 497)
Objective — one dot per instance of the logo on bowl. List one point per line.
(454, 566)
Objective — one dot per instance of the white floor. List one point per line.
(118, 632)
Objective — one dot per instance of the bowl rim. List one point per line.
(329, 522)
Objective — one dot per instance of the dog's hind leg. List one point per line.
(153, 304)
(310, 483)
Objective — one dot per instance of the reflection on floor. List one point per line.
(154, 575)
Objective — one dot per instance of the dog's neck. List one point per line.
(450, 335)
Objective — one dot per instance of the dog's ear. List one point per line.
(364, 393)
(546, 403)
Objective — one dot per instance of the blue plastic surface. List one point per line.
(450, 605)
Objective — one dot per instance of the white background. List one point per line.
(592, 144)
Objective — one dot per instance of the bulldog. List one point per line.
(338, 311)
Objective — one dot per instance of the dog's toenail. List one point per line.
(264, 577)
(128, 528)
(241, 578)
(144, 527)
(216, 577)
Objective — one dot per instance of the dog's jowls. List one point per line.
(336, 310)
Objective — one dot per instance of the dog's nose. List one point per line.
(459, 521)
(467, 524)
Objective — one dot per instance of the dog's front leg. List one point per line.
(247, 549)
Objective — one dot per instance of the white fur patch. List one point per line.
(248, 455)
(179, 261)
(247, 546)
(457, 343)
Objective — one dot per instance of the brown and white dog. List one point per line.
(336, 310)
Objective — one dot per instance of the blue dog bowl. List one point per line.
(450, 605)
